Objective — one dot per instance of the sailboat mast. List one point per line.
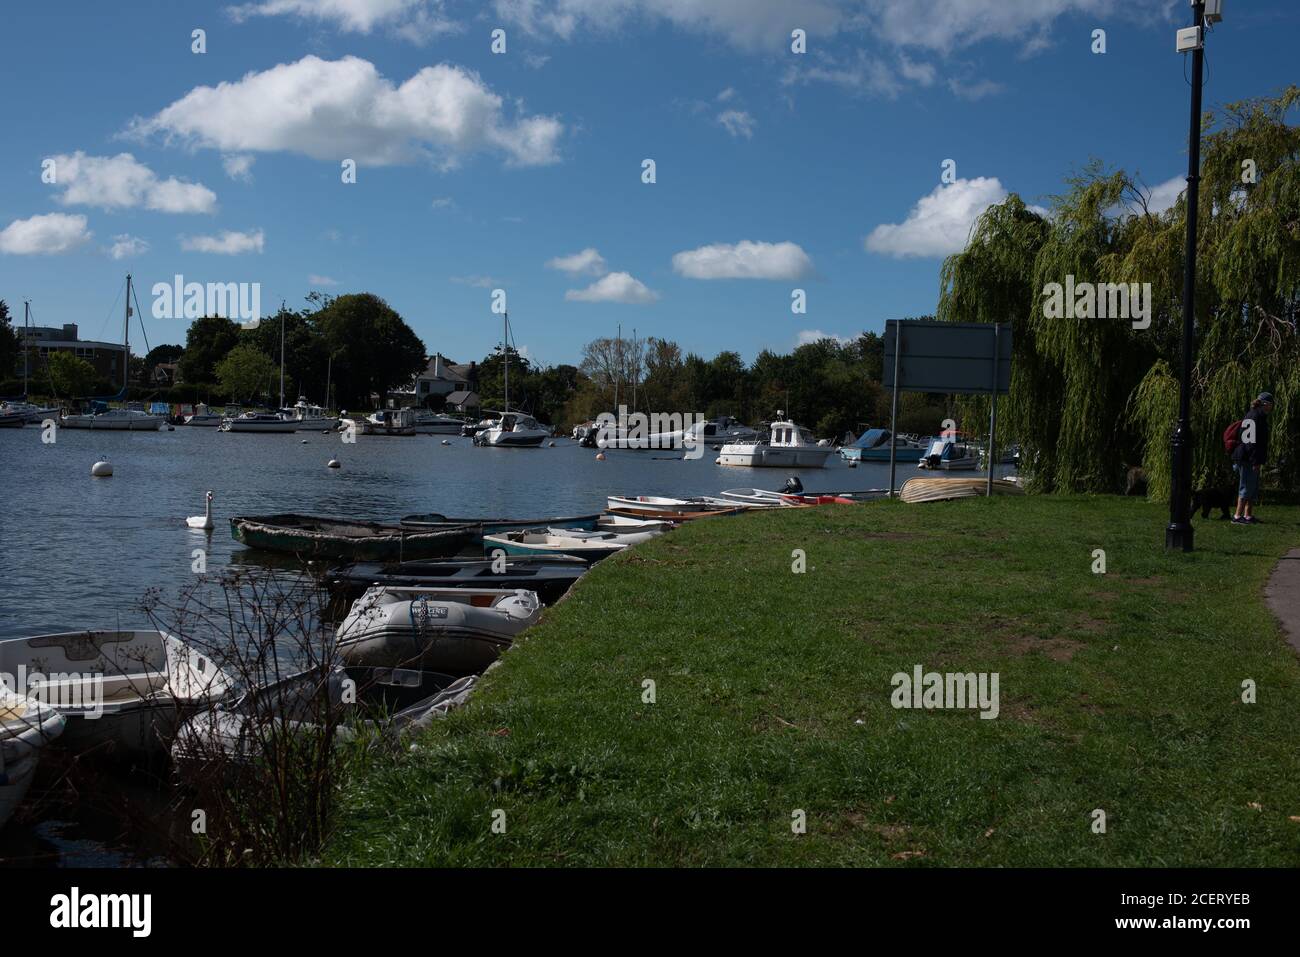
(329, 367)
(618, 362)
(126, 340)
(282, 355)
(505, 354)
(27, 314)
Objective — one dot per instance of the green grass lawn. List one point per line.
(1119, 691)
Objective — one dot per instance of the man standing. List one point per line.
(1249, 457)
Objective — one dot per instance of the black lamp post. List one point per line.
(1179, 534)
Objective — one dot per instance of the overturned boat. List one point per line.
(120, 691)
(456, 631)
(311, 536)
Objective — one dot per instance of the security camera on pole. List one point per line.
(1179, 535)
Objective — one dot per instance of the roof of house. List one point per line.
(460, 396)
(450, 370)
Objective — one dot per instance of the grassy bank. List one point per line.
(1119, 691)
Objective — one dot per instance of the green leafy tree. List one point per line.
(9, 344)
(207, 342)
(246, 372)
(373, 349)
(72, 376)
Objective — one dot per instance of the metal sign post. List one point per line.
(893, 409)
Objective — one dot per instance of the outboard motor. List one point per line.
(793, 486)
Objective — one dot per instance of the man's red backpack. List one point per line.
(1232, 437)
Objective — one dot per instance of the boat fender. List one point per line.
(101, 469)
(600, 456)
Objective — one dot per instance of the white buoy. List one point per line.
(304, 441)
(446, 441)
(332, 464)
(718, 460)
(552, 445)
(600, 456)
(101, 469)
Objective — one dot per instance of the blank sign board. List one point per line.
(949, 357)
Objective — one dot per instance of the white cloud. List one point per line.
(940, 223)
(614, 287)
(344, 109)
(862, 74)
(738, 123)
(121, 182)
(809, 336)
(536, 60)
(47, 234)
(417, 19)
(239, 166)
(589, 262)
(726, 94)
(229, 243)
(744, 260)
(126, 246)
(442, 202)
(316, 280)
(975, 89)
(1163, 195)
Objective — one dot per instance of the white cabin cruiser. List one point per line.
(456, 631)
(789, 446)
(256, 422)
(26, 726)
(307, 417)
(513, 430)
(389, 422)
(204, 417)
(30, 412)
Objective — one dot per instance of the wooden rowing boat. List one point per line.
(310, 536)
(944, 489)
(662, 516)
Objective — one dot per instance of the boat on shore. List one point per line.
(551, 543)
(788, 446)
(623, 523)
(311, 537)
(658, 503)
(714, 509)
(118, 690)
(550, 576)
(26, 727)
(945, 489)
(456, 631)
(493, 526)
(256, 422)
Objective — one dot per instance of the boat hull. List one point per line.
(147, 423)
(765, 456)
(549, 577)
(495, 526)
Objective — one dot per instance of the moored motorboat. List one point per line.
(513, 430)
(948, 454)
(550, 576)
(35, 414)
(204, 417)
(456, 631)
(874, 445)
(788, 446)
(256, 422)
(311, 536)
(431, 423)
(388, 422)
(118, 690)
(307, 417)
(26, 727)
(550, 543)
(116, 420)
(492, 526)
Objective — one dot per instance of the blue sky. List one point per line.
(476, 170)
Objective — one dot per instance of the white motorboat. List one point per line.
(12, 420)
(204, 417)
(788, 446)
(26, 726)
(118, 420)
(117, 689)
(431, 423)
(389, 422)
(874, 445)
(456, 631)
(306, 417)
(256, 422)
(513, 430)
(659, 503)
(947, 454)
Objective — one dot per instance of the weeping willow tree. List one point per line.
(1092, 395)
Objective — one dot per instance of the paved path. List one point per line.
(1283, 595)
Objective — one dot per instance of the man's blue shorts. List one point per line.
(1247, 482)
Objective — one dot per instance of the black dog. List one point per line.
(1210, 498)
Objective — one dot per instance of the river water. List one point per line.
(78, 552)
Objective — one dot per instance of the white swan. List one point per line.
(203, 521)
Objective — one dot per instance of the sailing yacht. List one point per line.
(511, 429)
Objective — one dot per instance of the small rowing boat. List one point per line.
(551, 543)
(713, 510)
(310, 536)
(658, 503)
(943, 489)
(26, 726)
(493, 526)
